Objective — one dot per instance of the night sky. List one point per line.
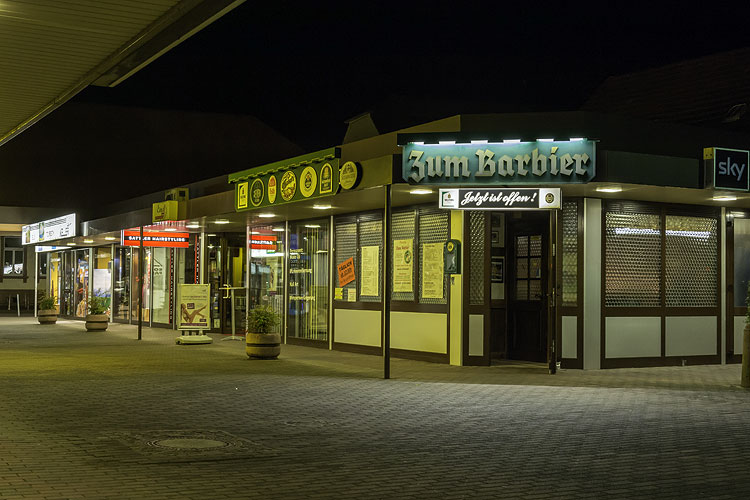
(304, 69)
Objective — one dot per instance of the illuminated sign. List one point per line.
(727, 168)
(263, 241)
(500, 198)
(48, 230)
(539, 162)
(161, 239)
(165, 210)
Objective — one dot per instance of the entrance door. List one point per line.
(226, 261)
(527, 312)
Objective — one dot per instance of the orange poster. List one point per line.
(346, 272)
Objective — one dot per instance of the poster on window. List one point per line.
(432, 270)
(403, 265)
(369, 271)
(193, 305)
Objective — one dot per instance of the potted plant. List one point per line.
(745, 376)
(97, 318)
(259, 341)
(47, 313)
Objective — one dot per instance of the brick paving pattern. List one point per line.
(82, 415)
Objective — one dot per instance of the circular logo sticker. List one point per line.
(549, 198)
(288, 185)
(272, 189)
(308, 181)
(450, 246)
(349, 175)
(257, 192)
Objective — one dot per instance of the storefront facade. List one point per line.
(638, 259)
(640, 264)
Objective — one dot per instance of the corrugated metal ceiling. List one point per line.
(52, 49)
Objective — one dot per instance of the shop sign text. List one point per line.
(500, 199)
(540, 162)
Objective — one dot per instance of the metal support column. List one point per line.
(386, 280)
(140, 284)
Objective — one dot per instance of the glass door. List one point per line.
(121, 292)
(102, 275)
(307, 315)
(161, 283)
(266, 285)
(81, 283)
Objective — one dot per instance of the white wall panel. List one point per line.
(570, 337)
(628, 337)
(690, 336)
(357, 327)
(427, 332)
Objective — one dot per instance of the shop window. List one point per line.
(477, 234)
(266, 285)
(570, 253)
(691, 261)
(632, 260)
(741, 260)
(13, 257)
(433, 233)
(403, 224)
(346, 248)
(308, 280)
(102, 286)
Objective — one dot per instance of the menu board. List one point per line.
(369, 272)
(432, 270)
(403, 265)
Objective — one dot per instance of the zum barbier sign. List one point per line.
(554, 162)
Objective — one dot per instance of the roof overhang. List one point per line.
(50, 52)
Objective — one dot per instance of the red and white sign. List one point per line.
(161, 239)
(263, 241)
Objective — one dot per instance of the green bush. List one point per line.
(262, 319)
(47, 302)
(98, 305)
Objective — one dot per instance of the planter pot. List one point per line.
(96, 322)
(47, 316)
(263, 345)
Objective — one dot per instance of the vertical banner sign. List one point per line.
(432, 270)
(403, 266)
(369, 271)
(346, 272)
(194, 307)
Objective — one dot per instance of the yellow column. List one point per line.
(456, 296)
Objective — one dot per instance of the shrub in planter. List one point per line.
(97, 318)
(259, 341)
(46, 313)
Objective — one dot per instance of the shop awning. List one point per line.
(50, 50)
(289, 163)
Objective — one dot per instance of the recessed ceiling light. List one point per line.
(312, 226)
(321, 207)
(279, 229)
(511, 141)
(110, 238)
(88, 241)
(609, 189)
(724, 197)
(420, 191)
(577, 138)
(170, 229)
(446, 143)
(221, 221)
(266, 216)
(479, 141)
(545, 140)
(71, 244)
(210, 234)
(193, 226)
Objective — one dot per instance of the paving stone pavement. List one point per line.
(88, 415)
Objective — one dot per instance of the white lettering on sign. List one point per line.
(478, 198)
(537, 165)
(733, 169)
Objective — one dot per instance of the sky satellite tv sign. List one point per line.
(727, 168)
